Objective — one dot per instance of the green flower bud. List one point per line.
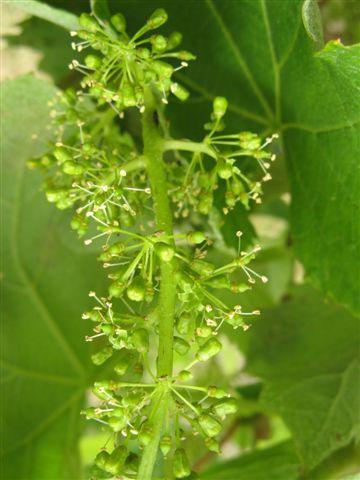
(227, 406)
(224, 169)
(185, 375)
(186, 56)
(165, 445)
(196, 237)
(143, 53)
(210, 348)
(100, 357)
(101, 459)
(220, 105)
(212, 445)
(140, 340)
(116, 289)
(205, 204)
(136, 291)
(216, 392)
(210, 425)
(163, 69)
(202, 268)
(119, 22)
(179, 91)
(184, 324)
(181, 465)
(116, 423)
(240, 287)
(122, 366)
(145, 435)
(117, 460)
(72, 168)
(61, 154)
(181, 346)
(230, 199)
(157, 18)
(64, 203)
(117, 248)
(174, 40)
(249, 141)
(92, 61)
(204, 331)
(220, 282)
(88, 22)
(89, 412)
(164, 251)
(128, 95)
(132, 399)
(159, 43)
(236, 186)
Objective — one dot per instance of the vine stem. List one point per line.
(153, 152)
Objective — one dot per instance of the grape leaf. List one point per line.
(276, 463)
(57, 16)
(307, 353)
(45, 281)
(259, 54)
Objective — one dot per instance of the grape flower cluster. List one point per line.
(97, 169)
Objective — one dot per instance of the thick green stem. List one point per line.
(153, 152)
(196, 147)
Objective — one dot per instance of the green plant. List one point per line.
(143, 208)
(293, 376)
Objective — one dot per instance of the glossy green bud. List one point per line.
(100, 357)
(179, 91)
(164, 251)
(212, 445)
(210, 348)
(202, 268)
(186, 56)
(157, 18)
(184, 323)
(181, 346)
(61, 154)
(122, 366)
(165, 445)
(196, 237)
(101, 459)
(72, 168)
(144, 53)
(220, 105)
(119, 22)
(136, 291)
(224, 169)
(116, 460)
(145, 435)
(210, 425)
(174, 40)
(88, 22)
(227, 406)
(181, 465)
(117, 423)
(159, 43)
(116, 289)
(185, 375)
(92, 61)
(216, 392)
(140, 340)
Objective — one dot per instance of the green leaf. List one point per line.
(307, 353)
(258, 53)
(46, 279)
(276, 463)
(54, 15)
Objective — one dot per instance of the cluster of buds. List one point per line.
(218, 163)
(128, 64)
(96, 169)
